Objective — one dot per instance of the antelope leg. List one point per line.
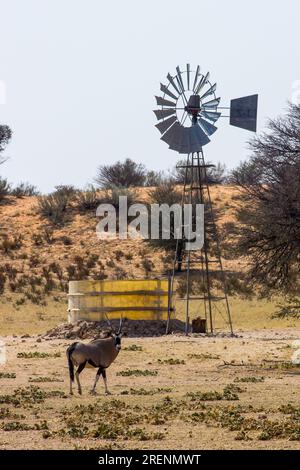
(80, 369)
(93, 391)
(105, 382)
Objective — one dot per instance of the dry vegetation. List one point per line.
(217, 393)
(39, 257)
(168, 392)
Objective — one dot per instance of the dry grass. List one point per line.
(246, 314)
(215, 403)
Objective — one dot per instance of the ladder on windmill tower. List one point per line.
(204, 264)
(190, 96)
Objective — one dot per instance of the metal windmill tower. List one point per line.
(189, 110)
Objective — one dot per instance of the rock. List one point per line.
(199, 325)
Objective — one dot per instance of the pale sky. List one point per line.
(81, 77)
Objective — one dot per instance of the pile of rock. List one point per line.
(94, 330)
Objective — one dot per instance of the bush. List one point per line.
(99, 276)
(88, 200)
(2, 282)
(9, 244)
(52, 207)
(55, 205)
(147, 265)
(67, 241)
(56, 269)
(121, 174)
(155, 178)
(23, 190)
(66, 190)
(166, 193)
(245, 174)
(5, 136)
(4, 188)
(112, 196)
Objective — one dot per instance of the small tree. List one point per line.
(270, 232)
(4, 188)
(5, 136)
(121, 174)
(244, 175)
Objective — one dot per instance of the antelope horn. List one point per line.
(120, 326)
(107, 320)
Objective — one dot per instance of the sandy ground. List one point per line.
(169, 409)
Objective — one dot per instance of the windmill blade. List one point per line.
(164, 113)
(211, 115)
(163, 126)
(197, 73)
(166, 90)
(185, 145)
(173, 83)
(198, 138)
(188, 71)
(209, 92)
(211, 104)
(207, 126)
(179, 79)
(202, 82)
(162, 102)
(175, 144)
(170, 135)
(243, 112)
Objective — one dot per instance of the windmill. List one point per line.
(188, 112)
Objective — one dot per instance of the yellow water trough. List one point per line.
(143, 299)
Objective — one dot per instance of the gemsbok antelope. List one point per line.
(99, 353)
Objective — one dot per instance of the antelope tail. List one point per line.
(69, 351)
